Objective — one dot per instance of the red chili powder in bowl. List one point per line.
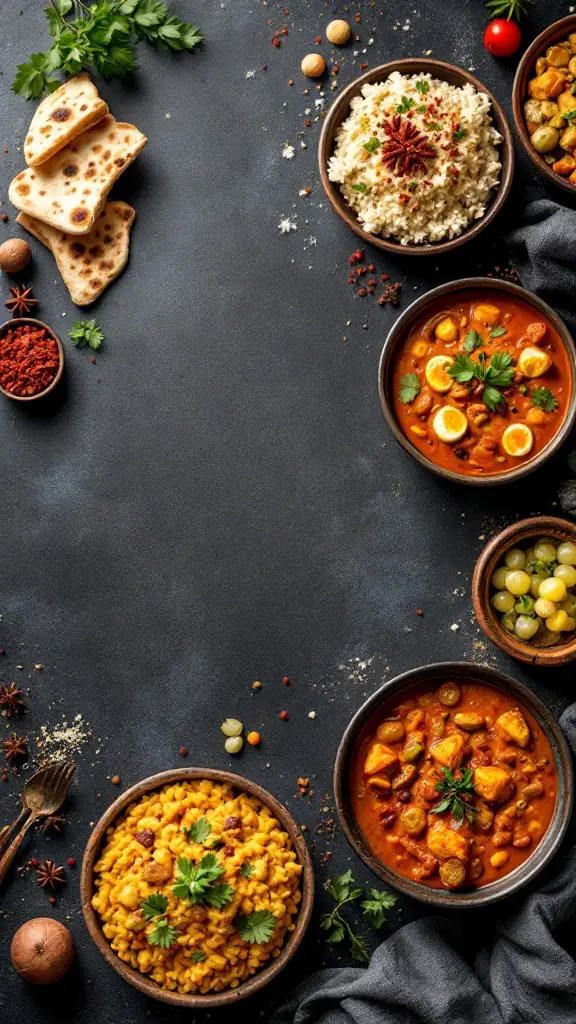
(29, 360)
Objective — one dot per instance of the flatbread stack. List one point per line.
(75, 151)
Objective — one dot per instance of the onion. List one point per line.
(42, 950)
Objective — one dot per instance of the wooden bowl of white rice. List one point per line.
(416, 156)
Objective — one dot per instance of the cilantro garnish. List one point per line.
(246, 870)
(86, 332)
(372, 145)
(569, 115)
(373, 908)
(360, 187)
(344, 890)
(409, 388)
(499, 373)
(199, 831)
(433, 126)
(540, 568)
(544, 399)
(452, 790)
(163, 934)
(472, 341)
(257, 927)
(497, 332)
(198, 956)
(459, 135)
(154, 905)
(423, 87)
(195, 882)
(406, 105)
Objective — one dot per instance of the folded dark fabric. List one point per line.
(544, 254)
(420, 974)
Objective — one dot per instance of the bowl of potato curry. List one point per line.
(454, 784)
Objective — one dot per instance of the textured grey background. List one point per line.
(217, 499)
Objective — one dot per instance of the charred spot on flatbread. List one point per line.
(23, 189)
(70, 170)
(96, 250)
(77, 248)
(61, 114)
(79, 215)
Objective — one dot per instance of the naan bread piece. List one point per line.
(90, 263)
(60, 117)
(70, 189)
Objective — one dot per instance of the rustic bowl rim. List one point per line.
(18, 321)
(549, 843)
(490, 555)
(519, 95)
(140, 981)
(396, 335)
(414, 65)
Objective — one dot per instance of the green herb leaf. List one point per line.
(341, 886)
(334, 926)
(409, 388)
(472, 341)
(500, 372)
(525, 605)
(497, 332)
(163, 934)
(246, 870)
(433, 126)
(459, 135)
(358, 948)
(569, 115)
(375, 907)
(508, 8)
(219, 895)
(544, 399)
(372, 145)
(257, 927)
(492, 398)
(541, 568)
(360, 187)
(194, 881)
(422, 108)
(406, 105)
(86, 332)
(452, 790)
(198, 956)
(154, 905)
(423, 87)
(199, 831)
(462, 369)
(31, 79)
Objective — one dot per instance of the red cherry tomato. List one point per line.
(502, 37)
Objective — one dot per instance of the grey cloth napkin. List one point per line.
(432, 972)
(544, 254)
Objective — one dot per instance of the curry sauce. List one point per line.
(453, 787)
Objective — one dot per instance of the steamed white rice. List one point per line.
(455, 187)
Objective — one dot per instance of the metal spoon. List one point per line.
(43, 794)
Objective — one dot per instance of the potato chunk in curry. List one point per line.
(493, 784)
(380, 759)
(512, 727)
(444, 842)
(448, 752)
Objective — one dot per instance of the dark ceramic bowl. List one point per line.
(141, 981)
(30, 321)
(518, 535)
(402, 327)
(339, 112)
(547, 846)
(553, 34)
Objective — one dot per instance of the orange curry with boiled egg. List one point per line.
(453, 787)
(481, 384)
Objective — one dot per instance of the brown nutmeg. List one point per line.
(42, 951)
(15, 254)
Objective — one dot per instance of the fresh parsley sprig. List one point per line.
(195, 882)
(498, 373)
(153, 908)
(86, 332)
(199, 831)
(154, 905)
(472, 341)
(246, 870)
(102, 37)
(409, 388)
(544, 399)
(343, 890)
(372, 145)
(405, 105)
(257, 927)
(452, 790)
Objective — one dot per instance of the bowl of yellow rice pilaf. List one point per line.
(197, 887)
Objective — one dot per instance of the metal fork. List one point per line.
(43, 794)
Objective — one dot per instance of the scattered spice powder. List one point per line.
(29, 360)
(60, 742)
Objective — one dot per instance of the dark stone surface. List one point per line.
(217, 499)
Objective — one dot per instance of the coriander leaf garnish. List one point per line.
(497, 332)
(194, 881)
(499, 373)
(544, 399)
(452, 790)
(406, 105)
(569, 115)
(423, 87)
(422, 108)
(492, 398)
(154, 905)
(540, 568)
(433, 126)
(360, 187)
(86, 332)
(472, 341)
(257, 927)
(462, 369)
(198, 956)
(373, 908)
(163, 934)
(409, 388)
(459, 135)
(199, 831)
(246, 870)
(372, 145)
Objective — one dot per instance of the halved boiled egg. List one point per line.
(449, 424)
(517, 439)
(533, 362)
(437, 373)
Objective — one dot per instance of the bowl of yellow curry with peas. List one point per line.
(544, 102)
(197, 887)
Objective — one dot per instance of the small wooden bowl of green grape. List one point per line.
(524, 590)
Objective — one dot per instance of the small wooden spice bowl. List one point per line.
(518, 535)
(338, 113)
(31, 322)
(461, 672)
(553, 34)
(141, 981)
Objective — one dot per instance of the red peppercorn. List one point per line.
(284, 715)
(33, 862)
(371, 268)
(275, 41)
(286, 680)
(115, 780)
(3, 217)
(318, 40)
(71, 862)
(183, 751)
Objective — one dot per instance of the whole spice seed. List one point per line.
(11, 699)
(284, 715)
(14, 747)
(21, 301)
(29, 360)
(55, 821)
(50, 875)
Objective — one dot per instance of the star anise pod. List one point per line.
(11, 699)
(15, 746)
(55, 821)
(22, 301)
(49, 875)
(406, 148)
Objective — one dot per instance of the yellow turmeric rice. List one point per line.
(141, 856)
